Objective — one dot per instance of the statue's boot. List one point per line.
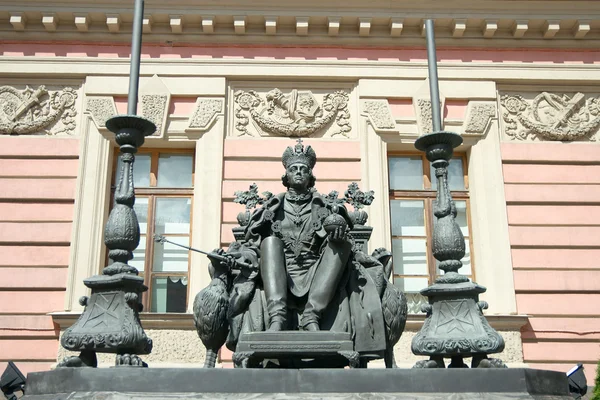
(274, 277)
(325, 283)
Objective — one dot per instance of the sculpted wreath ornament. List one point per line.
(295, 114)
(551, 117)
(32, 111)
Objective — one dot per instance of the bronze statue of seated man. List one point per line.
(296, 269)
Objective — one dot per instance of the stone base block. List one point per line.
(167, 383)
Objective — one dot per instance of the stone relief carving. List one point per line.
(551, 116)
(101, 109)
(423, 111)
(155, 99)
(205, 112)
(154, 108)
(37, 111)
(424, 115)
(478, 117)
(379, 114)
(295, 114)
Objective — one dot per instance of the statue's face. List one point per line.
(298, 176)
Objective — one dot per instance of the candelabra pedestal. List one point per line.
(455, 326)
(110, 322)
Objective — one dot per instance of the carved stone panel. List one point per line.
(291, 112)
(550, 116)
(380, 114)
(479, 115)
(101, 108)
(205, 113)
(37, 111)
(423, 111)
(155, 99)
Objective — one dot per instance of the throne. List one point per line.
(363, 321)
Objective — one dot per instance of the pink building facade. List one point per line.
(226, 85)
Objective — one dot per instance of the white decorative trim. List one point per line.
(50, 21)
(271, 25)
(205, 113)
(101, 108)
(423, 111)
(380, 115)
(479, 116)
(551, 116)
(489, 28)
(459, 27)
(176, 23)
(302, 26)
(333, 25)
(37, 111)
(155, 99)
(113, 22)
(396, 27)
(82, 22)
(91, 211)
(297, 113)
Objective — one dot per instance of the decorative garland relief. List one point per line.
(37, 111)
(551, 116)
(295, 114)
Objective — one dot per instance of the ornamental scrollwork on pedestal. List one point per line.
(295, 114)
(32, 111)
(550, 116)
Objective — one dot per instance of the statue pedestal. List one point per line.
(455, 326)
(110, 322)
(294, 384)
(296, 349)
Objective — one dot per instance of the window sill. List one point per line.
(181, 321)
(185, 321)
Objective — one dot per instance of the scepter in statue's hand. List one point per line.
(220, 256)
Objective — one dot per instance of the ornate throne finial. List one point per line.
(299, 155)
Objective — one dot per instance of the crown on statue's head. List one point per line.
(298, 154)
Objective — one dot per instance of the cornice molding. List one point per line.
(503, 73)
(524, 23)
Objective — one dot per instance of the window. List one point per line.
(163, 187)
(412, 192)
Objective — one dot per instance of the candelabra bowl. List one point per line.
(130, 130)
(438, 145)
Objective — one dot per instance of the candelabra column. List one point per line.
(455, 326)
(110, 321)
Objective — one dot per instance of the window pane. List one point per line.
(174, 170)
(139, 255)
(406, 173)
(408, 217)
(414, 301)
(456, 175)
(141, 170)
(461, 217)
(169, 294)
(411, 285)
(171, 258)
(172, 215)
(141, 211)
(410, 256)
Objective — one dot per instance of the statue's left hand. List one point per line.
(338, 235)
